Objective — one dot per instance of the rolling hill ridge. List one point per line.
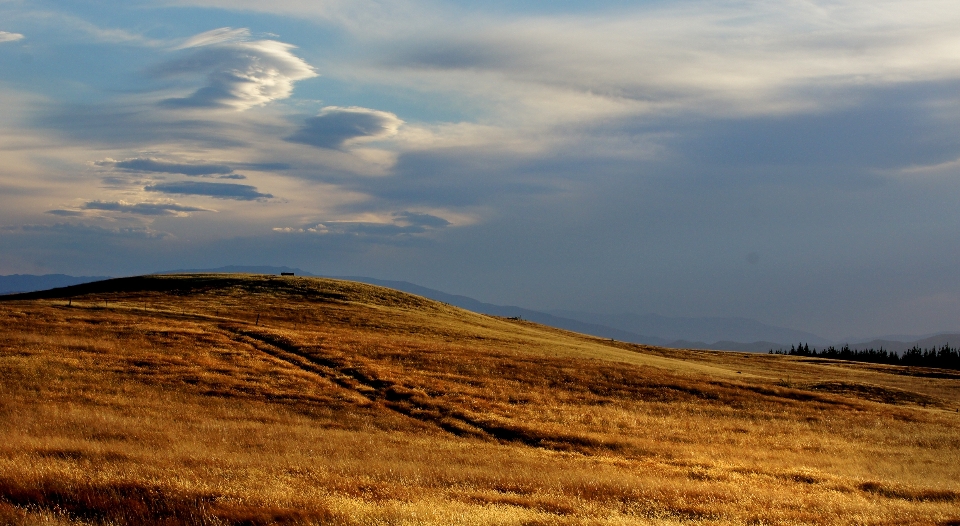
(250, 399)
(734, 334)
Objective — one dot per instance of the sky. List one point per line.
(794, 162)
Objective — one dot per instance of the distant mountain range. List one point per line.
(512, 312)
(697, 329)
(733, 334)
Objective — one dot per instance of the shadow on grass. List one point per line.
(127, 503)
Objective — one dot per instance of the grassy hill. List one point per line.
(244, 400)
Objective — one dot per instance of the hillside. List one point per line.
(241, 400)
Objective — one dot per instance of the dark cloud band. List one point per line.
(240, 192)
(146, 209)
(334, 127)
(158, 166)
(405, 225)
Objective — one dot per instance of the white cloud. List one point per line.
(216, 36)
(9, 37)
(711, 57)
(729, 57)
(239, 74)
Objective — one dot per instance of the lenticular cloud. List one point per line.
(336, 126)
(239, 74)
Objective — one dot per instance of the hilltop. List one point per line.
(716, 333)
(242, 399)
(652, 329)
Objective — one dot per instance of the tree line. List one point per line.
(945, 357)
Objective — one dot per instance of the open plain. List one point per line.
(245, 400)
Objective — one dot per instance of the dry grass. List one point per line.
(162, 401)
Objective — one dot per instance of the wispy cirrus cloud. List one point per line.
(216, 36)
(239, 74)
(355, 14)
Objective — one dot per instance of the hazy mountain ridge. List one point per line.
(507, 311)
(707, 329)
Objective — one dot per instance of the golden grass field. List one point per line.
(163, 400)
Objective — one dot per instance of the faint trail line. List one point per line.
(406, 401)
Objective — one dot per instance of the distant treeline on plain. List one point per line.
(945, 357)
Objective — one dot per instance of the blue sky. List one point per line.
(795, 162)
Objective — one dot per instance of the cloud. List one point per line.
(84, 230)
(369, 15)
(452, 55)
(216, 36)
(66, 213)
(142, 208)
(402, 224)
(239, 75)
(154, 165)
(420, 220)
(145, 208)
(470, 177)
(158, 166)
(9, 37)
(265, 167)
(565, 61)
(336, 126)
(708, 57)
(240, 192)
(889, 129)
(132, 126)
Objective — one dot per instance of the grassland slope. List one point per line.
(242, 399)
